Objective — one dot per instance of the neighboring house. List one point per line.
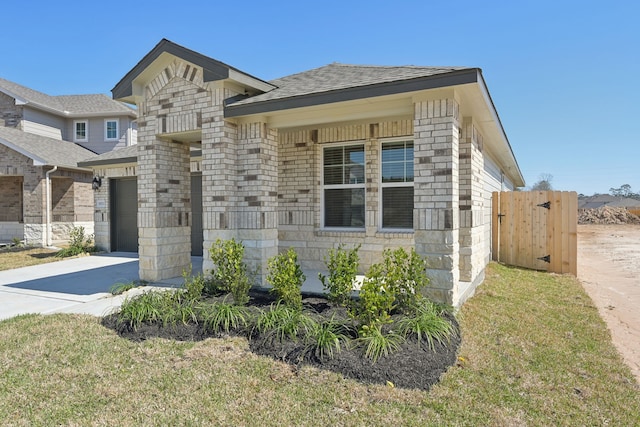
(42, 138)
(380, 157)
(43, 192)
(95, 122)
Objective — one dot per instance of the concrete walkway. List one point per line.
(78, 285)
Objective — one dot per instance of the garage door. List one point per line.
(124, 213)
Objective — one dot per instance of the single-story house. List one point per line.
(342, 154)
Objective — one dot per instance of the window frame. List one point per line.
(404, 184)
(324, 187)
(106, 129)
(75, 131)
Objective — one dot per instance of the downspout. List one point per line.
(48, 190)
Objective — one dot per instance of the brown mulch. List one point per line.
(413, 366)
(607, 215)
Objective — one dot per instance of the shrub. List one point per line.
(284, 321)
(343, 267)
(286, 277)
(78, 244)
(140, 309)
(193, 285)
(405, 276)
(223, 317)
(230, 272)
(376, 301)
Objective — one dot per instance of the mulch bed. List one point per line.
(413, 366)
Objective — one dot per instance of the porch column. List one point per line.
(471, 205)
(164, 205)
(436, 219)
(257, 210)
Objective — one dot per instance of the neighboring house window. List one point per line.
(397, 184)
(343, 186)
(111, 130)
(80, 131)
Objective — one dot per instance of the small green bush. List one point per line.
(405, 276)
(286, 277)
(343, 268)
(120, 288)
(230, 273)
(376, 301)
(78, 244)
(193, 285)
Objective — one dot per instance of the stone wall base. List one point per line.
(164, 252)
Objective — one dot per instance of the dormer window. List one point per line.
(80, 131)
(111, 130)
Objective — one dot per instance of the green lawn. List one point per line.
(534, 352)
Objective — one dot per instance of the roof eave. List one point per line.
(517, 174)
(452, 78)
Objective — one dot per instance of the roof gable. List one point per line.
(213, 70)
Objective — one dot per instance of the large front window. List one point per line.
(343, 186)
(397, 184)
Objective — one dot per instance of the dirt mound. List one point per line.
(607, 215)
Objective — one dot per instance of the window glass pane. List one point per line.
(112, 130)
(393, 152)
(397, 207)
(333, 156)
(333, 175)
(397, 162)
(354, 174)
(81, 130)
(344, 165)
(393, 172)
(344, 207)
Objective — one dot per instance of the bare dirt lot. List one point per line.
(609, 269)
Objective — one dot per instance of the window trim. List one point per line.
(106, 130)
(75, 131)
(382, 185)
(323, 187)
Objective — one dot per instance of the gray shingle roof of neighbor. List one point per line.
(43, 150)
(68, 105)
(338, 76)
(121, 155)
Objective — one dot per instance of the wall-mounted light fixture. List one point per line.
(97, 182)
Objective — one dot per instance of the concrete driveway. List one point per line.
(78, 285)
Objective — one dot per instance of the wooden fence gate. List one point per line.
(535, 229)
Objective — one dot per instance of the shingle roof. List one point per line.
(68, 105)
(121, 155)
(338, 76)
(43, 150)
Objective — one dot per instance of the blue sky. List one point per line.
(564, 75)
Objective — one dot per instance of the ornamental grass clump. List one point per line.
(328, 337)
(428, 323)
(223, 317)
(284, 322)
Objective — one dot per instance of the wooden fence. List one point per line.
(536, 229)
